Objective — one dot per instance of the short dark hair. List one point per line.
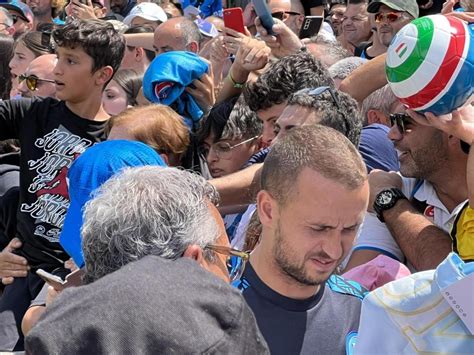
(283, 78)
(317, 147)
(231, 119)
(344, 116)
(150, 55)
(97, 38)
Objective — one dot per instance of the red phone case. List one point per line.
(234, 19)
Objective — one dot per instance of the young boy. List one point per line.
(52, 133)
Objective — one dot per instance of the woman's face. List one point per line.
(22, 57)
(114, 99)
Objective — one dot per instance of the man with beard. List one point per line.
(42, 11)
(390, 17)
(310, 209)
(416, 210)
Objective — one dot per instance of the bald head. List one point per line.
(177, 34)
(290, 11)
(41, 68)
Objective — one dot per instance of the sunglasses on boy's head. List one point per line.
(400, 120)
(32, 81)
(390, 17)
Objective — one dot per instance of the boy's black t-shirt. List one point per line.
(51, 138)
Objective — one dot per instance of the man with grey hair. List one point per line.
(6, 22)
(326, 49)
(313, 200)
(177, 34)
(344, 67)
(165, 212)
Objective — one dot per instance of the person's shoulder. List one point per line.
(345, 290)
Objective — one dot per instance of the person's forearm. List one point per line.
(144, 40)
(424, 245)
(366, 79)
(240, 187)
(31, 317)
(228, 89)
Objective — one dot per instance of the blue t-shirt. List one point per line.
(377, 149)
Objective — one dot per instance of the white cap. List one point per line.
(147, 10)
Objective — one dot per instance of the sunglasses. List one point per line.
(236, 260)
(390, 17)
(16, 17)
(400, 120)
(32, 81)
(321, 90)
(283, 15)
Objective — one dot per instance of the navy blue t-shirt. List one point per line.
(321, 324)
(377, 149)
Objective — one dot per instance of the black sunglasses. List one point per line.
(400, 120)
(280, 15)
(16, 17)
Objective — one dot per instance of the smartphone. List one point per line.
(263, 12)
(311, 26)
(234, 19)
(73, 279)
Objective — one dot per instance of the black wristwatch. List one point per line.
(385, 200)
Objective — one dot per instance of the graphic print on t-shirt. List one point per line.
(61, 148)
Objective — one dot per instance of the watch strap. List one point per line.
(397, 195)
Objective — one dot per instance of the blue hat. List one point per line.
(167, 77)
(19, 7)
(88, 172)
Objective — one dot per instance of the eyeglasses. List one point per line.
(16, 17)
(390, 17)
(32, 81)
(321, 90)
(223, 150)
(283, 15)
(236, 260)
(400, 120)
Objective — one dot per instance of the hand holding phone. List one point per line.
(311, 26)
(234, 19)
(73, 279)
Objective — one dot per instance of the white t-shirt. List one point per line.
(374, 235)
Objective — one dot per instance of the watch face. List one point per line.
(384, 198)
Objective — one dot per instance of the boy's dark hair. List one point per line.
(230, 119)
(285, 77)
(97, 38)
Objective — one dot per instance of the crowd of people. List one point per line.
(171, 185)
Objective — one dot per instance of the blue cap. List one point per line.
(88, 172)
(19, 7)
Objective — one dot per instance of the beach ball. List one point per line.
(430, 64)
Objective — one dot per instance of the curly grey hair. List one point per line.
(146, 210)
